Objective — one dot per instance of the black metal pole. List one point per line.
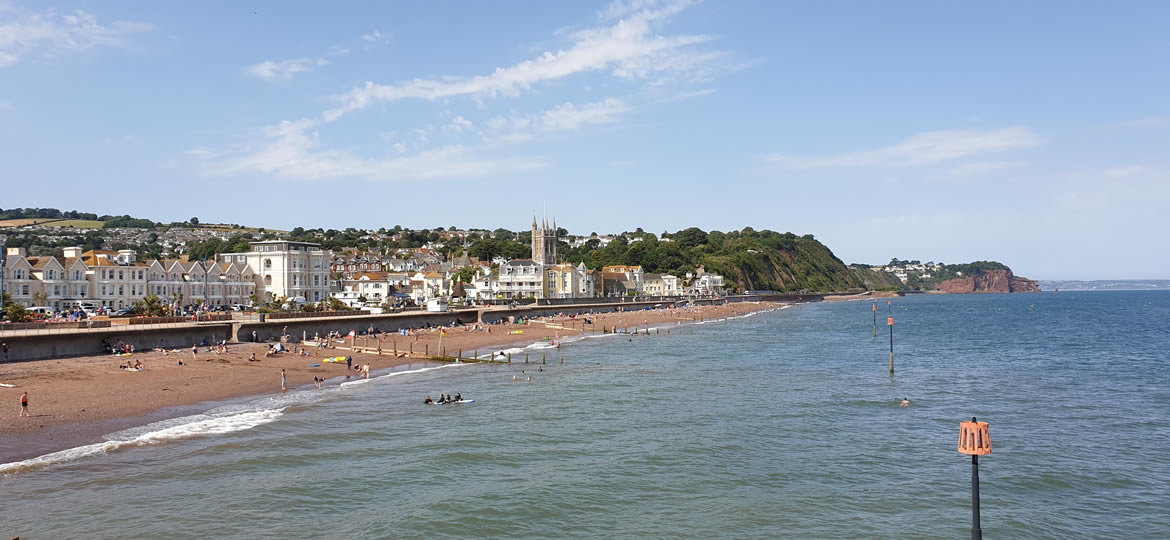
(891, 348)
(976, 532)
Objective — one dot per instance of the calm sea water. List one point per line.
(783, 424)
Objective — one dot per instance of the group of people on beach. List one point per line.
(444, 399)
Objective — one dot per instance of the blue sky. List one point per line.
(1033, 133)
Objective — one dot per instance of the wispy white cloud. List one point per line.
(459, 123)
(972, 169)
(373, 38)
(201, 153)
(293, 150)
(922, 149)
(568, 116)
(620, 8)
(683, 96)
(5, 106)
(631, 48)
(1117, 173)
(565, 117)
(49, 34)
(286, 69)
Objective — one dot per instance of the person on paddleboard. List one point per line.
(429, 401)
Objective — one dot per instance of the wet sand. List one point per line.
(66, 394)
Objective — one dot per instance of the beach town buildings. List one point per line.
(295, 270)
(707, 282)
(116, 279)
(568, 281)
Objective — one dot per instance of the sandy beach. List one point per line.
(80, 390)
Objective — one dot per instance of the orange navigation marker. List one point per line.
(975, 441)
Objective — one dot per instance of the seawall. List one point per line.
(92, 341)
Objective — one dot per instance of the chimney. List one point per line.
(72, 252)
(16, 252)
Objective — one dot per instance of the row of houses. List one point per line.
(116, 279)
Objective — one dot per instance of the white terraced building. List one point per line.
(117, 279)
(289, 269)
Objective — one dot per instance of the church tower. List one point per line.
(544, 242)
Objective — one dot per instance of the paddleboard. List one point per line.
(314, 365)
(6, 385)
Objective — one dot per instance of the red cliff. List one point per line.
(991, 281)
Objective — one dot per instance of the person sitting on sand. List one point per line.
(138, 365)
(429, 401)
(905, 402)
(181, 362)
(252, 358)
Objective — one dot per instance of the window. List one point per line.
(267, 264)
(24, 290)
(268, 280)
(120, 293)
(121, 275)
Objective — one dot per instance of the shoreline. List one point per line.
(81, 400)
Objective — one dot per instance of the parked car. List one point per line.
(123, 312)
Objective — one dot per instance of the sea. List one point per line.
(780, 424)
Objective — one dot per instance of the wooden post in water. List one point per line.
(525, 358)
(875, 319)
(395, 348)
(562, 360)
(427, 349)
(460, 357)
(890, 322)
(509, 358)
(542, 359)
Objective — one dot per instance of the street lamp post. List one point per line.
(975, 441)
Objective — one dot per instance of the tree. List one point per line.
(40, 298)
(193, 221)
(15, 312)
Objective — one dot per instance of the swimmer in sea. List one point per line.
(905, 402)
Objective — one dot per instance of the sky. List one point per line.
(1032, 133)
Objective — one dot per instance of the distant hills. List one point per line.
(1106, 285)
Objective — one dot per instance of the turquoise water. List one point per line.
(783, 424)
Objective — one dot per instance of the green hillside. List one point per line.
(748, 259)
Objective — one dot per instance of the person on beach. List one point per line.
(905, 402)
(283, 380)
(365, 371)
(5, 347)
(252, 358)
(253, 336)
(24, 404)
(349, 362)
(194, 354)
